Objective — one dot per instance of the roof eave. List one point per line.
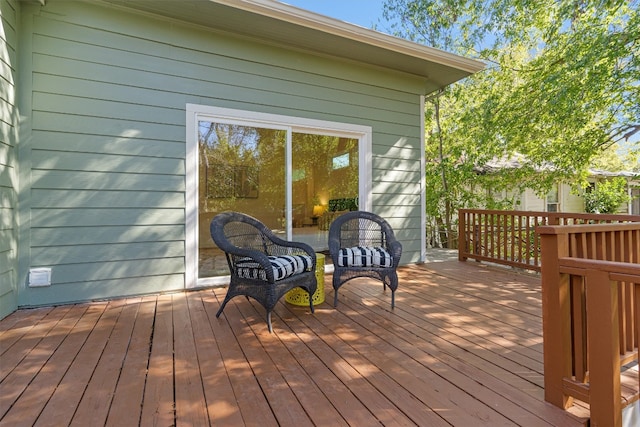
(309, 31)
(305, 18)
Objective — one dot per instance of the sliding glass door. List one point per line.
(294, 178)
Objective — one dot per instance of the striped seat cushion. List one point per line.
(283, 267)
(364, 257)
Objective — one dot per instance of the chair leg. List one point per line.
(335, 298)
(222, 307)
(269, 322)
(311, 302)
(393, 300)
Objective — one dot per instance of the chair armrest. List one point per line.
(255, 242)
(334, 247)
(303, 247)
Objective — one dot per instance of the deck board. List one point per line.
(222, 408)
(27, 409)
(462, 347)
(157, 406)
(189, 393)
(432, 366)
(129, 393)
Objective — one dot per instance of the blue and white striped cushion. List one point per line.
(364, 257)
(283, 267)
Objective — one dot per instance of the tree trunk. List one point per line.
(443, 175)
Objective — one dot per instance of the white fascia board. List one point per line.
(294, 15)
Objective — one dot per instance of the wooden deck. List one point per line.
(463, 347)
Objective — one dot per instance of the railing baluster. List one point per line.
(494, 235)
(602, 328)
(485, 236)
(579, 318)
(508, 237)
(636, 295)
(505, 236)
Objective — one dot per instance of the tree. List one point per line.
(616, 159)
(570, 67)
(560, 86)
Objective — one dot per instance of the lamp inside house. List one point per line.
(317, 211)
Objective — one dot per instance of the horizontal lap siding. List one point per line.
(108, 138)
(8, 181)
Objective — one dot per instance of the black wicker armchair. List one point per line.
(362, 244)
(262, 265)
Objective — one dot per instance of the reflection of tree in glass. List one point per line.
(243, 167)
(313, 155)
(271, 163)
(345, 180)
(231, 160)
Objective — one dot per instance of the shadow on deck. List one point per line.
(463, 347)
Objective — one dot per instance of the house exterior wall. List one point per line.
(634, 206)
(8, 173)
(528, 200)
(531, 201)
(567, 200)
(105, 143)
(571, 202)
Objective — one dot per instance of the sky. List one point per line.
(365, 13)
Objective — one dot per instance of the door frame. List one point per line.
(291, 124)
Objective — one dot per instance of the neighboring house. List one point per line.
(561, 198)
(126, 125)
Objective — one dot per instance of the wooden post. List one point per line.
(604, 355)
(462, 235)
(556, 317)
(636, 299)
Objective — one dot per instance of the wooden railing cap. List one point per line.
(595, 264)
(587, 228)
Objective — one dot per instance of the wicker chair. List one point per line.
(362, 244)
(262, 265)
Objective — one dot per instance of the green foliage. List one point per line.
(609, 160)
(560, 86)
(607, 196)
(562, 76)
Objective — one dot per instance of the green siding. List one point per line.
(107, 138)
(8, 178)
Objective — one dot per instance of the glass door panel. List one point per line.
(241, 168)
(324, 180)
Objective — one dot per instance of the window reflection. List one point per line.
(242, 168)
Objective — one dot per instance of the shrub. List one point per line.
(607, 196)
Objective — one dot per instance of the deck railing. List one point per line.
(509, 237)
(591, 314)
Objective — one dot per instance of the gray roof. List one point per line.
(518, 161)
